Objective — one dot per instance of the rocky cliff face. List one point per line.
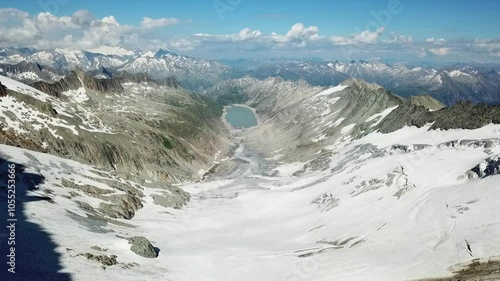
(3, 90)
(30, 72)
(426, 101)
(311, 118)
(170, 82)
(463, 115)
(145, 130)
(76, 80)
(307, 117)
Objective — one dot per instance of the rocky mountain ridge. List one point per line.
(102, 122)
(477, 83)
(30, 65)
(449, 84)
(319, 165)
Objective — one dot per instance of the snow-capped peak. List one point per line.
(112, 51)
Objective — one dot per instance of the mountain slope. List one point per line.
(348, 182)
(404, 205)
(102, 122)
(476, 83)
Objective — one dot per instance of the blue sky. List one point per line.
(461, 30)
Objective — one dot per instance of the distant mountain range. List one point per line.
(30, 65)
(473, 82)
(477, 83)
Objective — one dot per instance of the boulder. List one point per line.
(142, 247)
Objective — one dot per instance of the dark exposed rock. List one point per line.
(88, 189)
(142, 247)
(427, 102)
(41, 72)
(421, 146)
(103, 259)
(8, 137)
(463, 115)
(170, 82)
(122, 206)
(3, 90)
(487, 143)
(176, 198)
(321, 162)
(475, 270)
(97, 248)
(39, 105)
(489, 167)
(400, 148)
(77, 79)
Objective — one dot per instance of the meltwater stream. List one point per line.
(230, 229)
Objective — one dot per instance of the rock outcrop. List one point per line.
(102, 259)
(463, 115)
(76, 80)
(3, 90)
(29, 72)
(427, 102)
(170, 82)
(489, 167)
(142, 247)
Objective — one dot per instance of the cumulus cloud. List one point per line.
(23, 32)
(149, 23)
(82, 18)
(364, 37)
(246, 34)
(81, 30)
(84, 31)
(298, 34)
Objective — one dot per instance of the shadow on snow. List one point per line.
(35, 255)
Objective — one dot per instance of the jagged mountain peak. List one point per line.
(359, 83)
(426, 101)
(162, 53)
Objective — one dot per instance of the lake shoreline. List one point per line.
(232, 124)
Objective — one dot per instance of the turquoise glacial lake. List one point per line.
(240, 117)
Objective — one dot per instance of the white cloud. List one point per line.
(82, 18)
(23, 33)
(184, 44)
(81, 30)
(485, 46)
(440, 51)
(399, 39)
(298, 34)
(149, 23)
(440, 41)
(364, 37)
(246, 34)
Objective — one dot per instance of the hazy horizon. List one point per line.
(393, 30)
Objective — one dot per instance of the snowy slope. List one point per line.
(378, 213)
(359, 221)
(35, 114)
(398, 206)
